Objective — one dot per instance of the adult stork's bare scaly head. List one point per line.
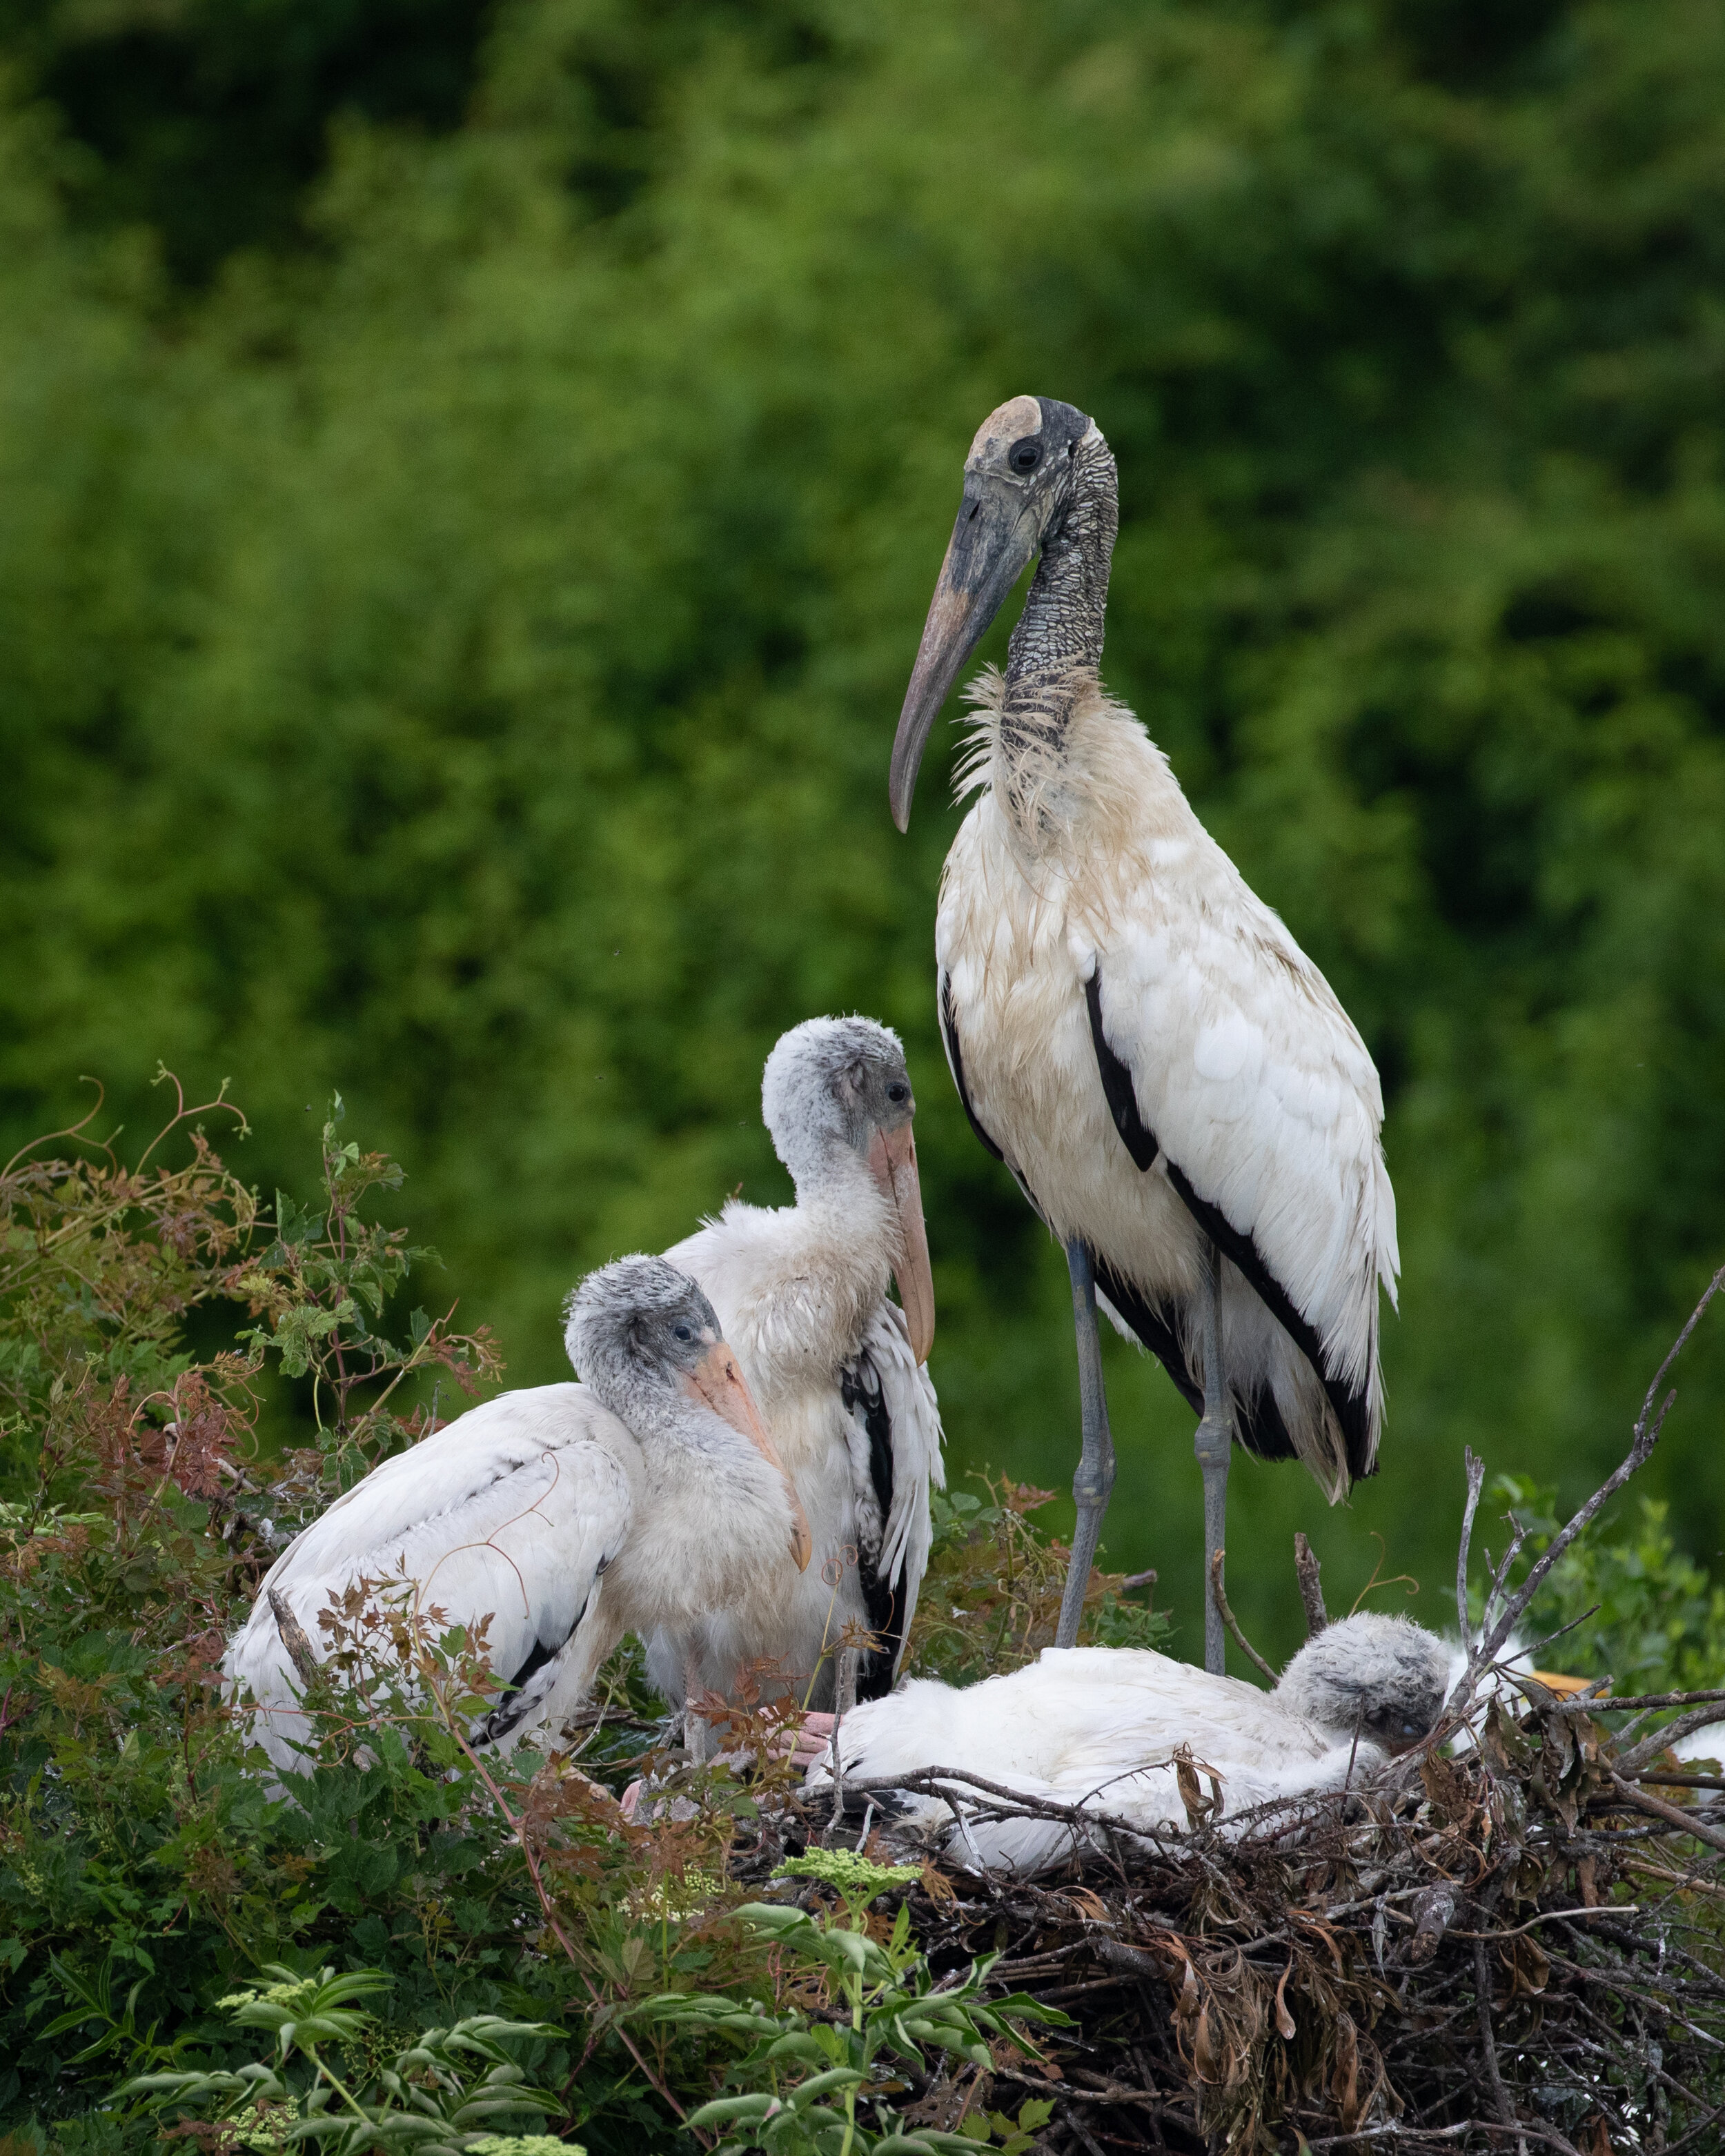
(835, 1090)
(1039, 479)
(646, 1340)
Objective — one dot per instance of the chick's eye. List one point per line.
(898, 1092)
(1024, 456)
(684, 1333)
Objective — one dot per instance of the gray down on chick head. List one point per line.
(1386, 1677)
(635, 1322)
(833, 1082)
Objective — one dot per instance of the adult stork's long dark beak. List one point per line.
(997, 530)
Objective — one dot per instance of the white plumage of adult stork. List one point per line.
(1100, 1727)
(1169, 1076)
(648, 1494)
(836, 1369)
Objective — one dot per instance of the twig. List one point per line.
(1646, 1702)
(1673, 1814)
(1475, 1482)
(844, 1699)
(1081, 2131)
(1648, 1425)
(1550, 1917)
(1137, 2098)
(1483, 1995)
(1494, 1591)
(1667, 1734)
(1308, 1571)
(1413, 2135)
(947, 1782)
(293, 1637)
(1232, 1622)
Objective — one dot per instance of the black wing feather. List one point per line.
(1258, 1421)
(860, 1387)
(516, 1698)
(1352, 1410)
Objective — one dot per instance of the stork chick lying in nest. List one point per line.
(1108, 1729)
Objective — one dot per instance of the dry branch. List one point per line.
(1310, 1574)
(293, 1637)
(1232, 1622)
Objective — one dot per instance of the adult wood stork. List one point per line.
(648, 1494)
(1100, 1728)
(836, 1369)
(1170, 1079)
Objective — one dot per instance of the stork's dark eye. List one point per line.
(1024, 456)
(684, 1333)
(896, 1091)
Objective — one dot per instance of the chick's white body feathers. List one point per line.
(801, 1290)
(545, 1515)
(1101, 1727)
(510, 1512)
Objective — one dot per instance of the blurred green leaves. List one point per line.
(451, 652)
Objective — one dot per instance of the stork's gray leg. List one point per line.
(1212, 1444)
(1095, 1477)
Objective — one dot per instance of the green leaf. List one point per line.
(725, 2109)
(820, 2085)
(797, 2045)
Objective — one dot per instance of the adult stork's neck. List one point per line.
(1057, 646)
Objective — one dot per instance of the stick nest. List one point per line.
(1520, 1947)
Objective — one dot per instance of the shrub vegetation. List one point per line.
(470, 480)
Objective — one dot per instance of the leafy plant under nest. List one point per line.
(1519, 1944)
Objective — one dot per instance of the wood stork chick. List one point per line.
(1098, 1728)
(648, 1494)
(1169, 1078)
(836, 1369)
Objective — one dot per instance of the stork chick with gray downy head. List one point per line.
(1167, 1076)
(1100, 1727)
(560, 1516)
(837, 1369)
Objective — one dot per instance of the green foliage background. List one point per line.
(470, 483)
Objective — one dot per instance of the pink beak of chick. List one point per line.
(717, 1380)
(892, 1162)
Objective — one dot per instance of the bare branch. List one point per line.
(293, 1637)
(1667, 1734)
(1648, 1425)
(1672, 1814)
(1475, 1482)
(1500, 1573)
(1232, 1622)
(1308, 1571)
